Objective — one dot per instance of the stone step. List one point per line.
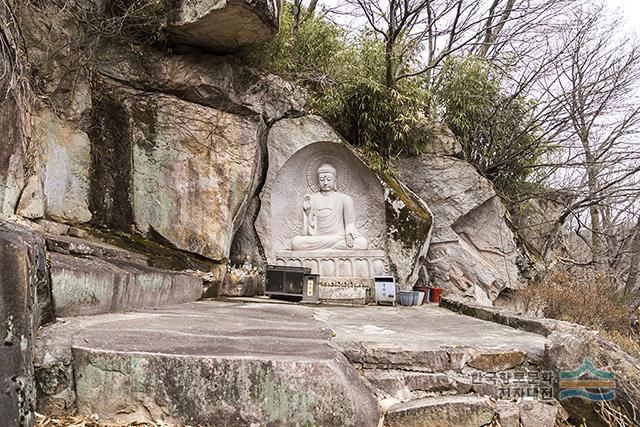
(442, 411)
(204, 363)
(86, 286)
(407, 385)
(91, 276)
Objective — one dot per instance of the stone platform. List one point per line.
(337, 265)
(235, 363)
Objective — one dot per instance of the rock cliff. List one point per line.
(174, 146)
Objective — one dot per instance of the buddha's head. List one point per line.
(327, 178)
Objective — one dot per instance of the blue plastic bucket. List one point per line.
(406, 298)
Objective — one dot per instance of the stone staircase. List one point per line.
(447, 390)
(419, 381)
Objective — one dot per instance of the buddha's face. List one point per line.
(326, 180)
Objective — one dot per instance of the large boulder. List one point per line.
(472, 250)
(224, 25)
(172, 169)
(176, 366)
(211, 80)
(573, 349)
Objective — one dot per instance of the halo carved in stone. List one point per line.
(336, 162)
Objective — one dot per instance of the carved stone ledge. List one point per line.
(339, 266)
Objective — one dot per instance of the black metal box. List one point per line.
(283, 280)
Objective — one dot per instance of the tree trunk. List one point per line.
(631, 286)
(311, 10)
(597, 244)
(297, 11)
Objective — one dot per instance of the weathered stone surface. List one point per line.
(566, 351)
(390, 356)
(53, 371)
(65, 157)
(246, 242)
(31, 204)
(51, 38)
(429, 383)
(442, 411)
(406, 385)
(427, 336)
(508, 413)
(214, 81)
(22, 274)
(472, 250)
(69, 245)
(387, 383)
(240, 286)
(13, 143)
(486, 389)
(11, 179)
(124, 249)
(224, 24)
(83, 286)
(53, 227)
(186, 364)
(494, 361)
(191, 170)
(537, 414)
(536, 325)
(346, 294)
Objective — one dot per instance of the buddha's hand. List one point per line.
(349, 239)
(306, 204)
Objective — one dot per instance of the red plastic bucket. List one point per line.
(434, 295)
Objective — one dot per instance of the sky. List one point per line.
(630, 12)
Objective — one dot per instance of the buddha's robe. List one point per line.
(331, 216)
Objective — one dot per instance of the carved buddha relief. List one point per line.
(328, 216)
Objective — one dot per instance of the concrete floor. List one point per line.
(425, 327)
(264, 329)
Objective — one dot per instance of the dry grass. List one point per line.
(582, 295)
(629, 342)
(588, 297)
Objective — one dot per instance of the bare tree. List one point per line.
(419, 34)
(595, 83)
